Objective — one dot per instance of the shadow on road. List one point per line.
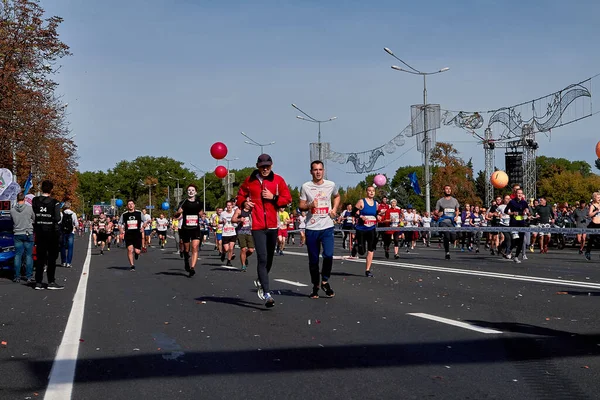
(235, 301)
(121, 268)
(185, 274)
(522, 328)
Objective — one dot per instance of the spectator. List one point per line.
(22, 216)
(47, 217)
(68, 224)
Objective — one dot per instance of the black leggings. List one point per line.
(592, 238)
(387, 239)
(366, 240)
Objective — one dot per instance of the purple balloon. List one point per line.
(379, 180)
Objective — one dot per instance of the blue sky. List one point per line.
(169, 78)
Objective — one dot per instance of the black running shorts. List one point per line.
(187, 235)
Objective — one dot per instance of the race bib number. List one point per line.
(191, 220)
(132, 224)
(322, 207)
(394, 220)
(449, 212)
(370, 220)
(246, 222)
(228, 229)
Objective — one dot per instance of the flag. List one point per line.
(414, 183)
(27, 184)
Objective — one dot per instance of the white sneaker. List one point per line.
(63, 265)
(259, 290)
(516, 260)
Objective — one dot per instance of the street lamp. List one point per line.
(114, 193)
(178, 195)
(314, 120)
(149, 195)
(415, 71)
(204, 185)
(228, 183)
(255, 143)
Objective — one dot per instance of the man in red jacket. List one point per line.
(265, 192)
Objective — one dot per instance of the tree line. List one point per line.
(153, 180)
(34, 134)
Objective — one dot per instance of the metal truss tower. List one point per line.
(529, 146)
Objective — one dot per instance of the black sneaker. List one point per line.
(192, 272)
(228, 263)
(187, 268)
(387, 253)
(353, 252)
(396, 256)
(448, 256)
(315, 293)
(222, 257)
(327, 289)
(588, 255)
(233, 257)
(39, 286)
(132, 268)
(55, 286)
(269, 301)
(136, 255)
(369, 274)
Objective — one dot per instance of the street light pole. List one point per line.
(426, 151)
(316, 121)
(255, 143)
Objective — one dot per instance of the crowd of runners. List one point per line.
(256, 224)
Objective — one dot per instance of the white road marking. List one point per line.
(228, 267)
(497, 275)
(290, 282)
(60, 385)
(454, 323)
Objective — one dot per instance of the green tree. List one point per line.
(548, 166)
(569, 186)
(450, 169)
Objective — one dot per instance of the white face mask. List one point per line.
(191, 192)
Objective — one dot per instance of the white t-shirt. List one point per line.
(409, 219)
(146, 218)
(228, 228)
(318, 218)
(426, 222)
(162, 224)
(301, 222)
(504, 218)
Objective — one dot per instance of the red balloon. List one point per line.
(221, 172)
(218, 150)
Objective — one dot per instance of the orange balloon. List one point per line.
(499, 179)
(598, 149)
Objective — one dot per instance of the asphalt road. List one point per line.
(528, 331)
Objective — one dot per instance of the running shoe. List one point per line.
(315, 293)
(396, 256)
(55, 286)
(222, 257)
(192, 272)
(39, 286)
(259, 290)
(244, 268)
(17, 280)
(136, 255)
(228, 263)
(448, 256)
(269, 301)
(531, 248)
(588, 255)
(387, 253)
(369, 274)
(233, 257)
(68, 265)
(187, 268)
(132, 268)
(327, 289)
(101, 252)
(516, 260)
(580, 251)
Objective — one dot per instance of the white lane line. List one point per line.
(60, 385)
(497, 275)
(228, 267)
(454, 323)
(290, 282)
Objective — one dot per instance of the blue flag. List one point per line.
(414, 183)
(27, 185)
